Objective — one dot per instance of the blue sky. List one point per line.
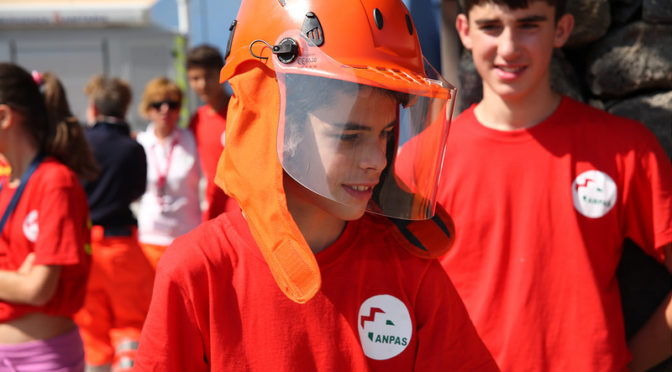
(209, 19)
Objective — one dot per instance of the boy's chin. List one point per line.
(347, 212)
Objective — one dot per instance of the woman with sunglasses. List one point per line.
(170, 206)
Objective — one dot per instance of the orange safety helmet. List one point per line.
(370, 43)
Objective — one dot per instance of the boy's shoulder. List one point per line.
(605, 126)
(584, 112)
(413, 242)
(215, 242)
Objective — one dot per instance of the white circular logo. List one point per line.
(385, 327)
(30, 226)
(222, 139)
(594, 193)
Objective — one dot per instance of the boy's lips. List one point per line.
(509, 72)
(359, 191)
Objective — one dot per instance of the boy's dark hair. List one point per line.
(204, 56)
(110, 96)
(466, 5)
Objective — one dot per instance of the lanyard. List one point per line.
(17, 194)
(163, 174)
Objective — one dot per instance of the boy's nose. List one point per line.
(373, 155)
(508, 44)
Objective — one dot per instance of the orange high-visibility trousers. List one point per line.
(117, 299)
(153, 252)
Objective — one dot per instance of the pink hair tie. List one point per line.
(37, 77)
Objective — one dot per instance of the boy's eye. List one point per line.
(489, 27)
(349, 136)
(529, 25)
(387, 133)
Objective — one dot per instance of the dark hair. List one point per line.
(560, 9)
(110, 96)
(300, 101)
(47, 118)
(204, 56)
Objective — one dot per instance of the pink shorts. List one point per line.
(64, 353)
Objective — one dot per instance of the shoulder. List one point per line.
(211, 246)
(195, 118)
(186, 136)
(601, 126)
(56, 174)
(586, 114)
(55, 182)
(142, 137)
(387, 243)
(465, 117)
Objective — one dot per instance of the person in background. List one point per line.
(209, 123)
(303, 278)
(44, 241)
(544, 190)
(120, 283)
(170, 206)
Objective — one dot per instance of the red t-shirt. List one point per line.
(216, 307)
(209, 127)
(541, 215)
(50, 220)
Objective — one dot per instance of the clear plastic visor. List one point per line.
(350, 139)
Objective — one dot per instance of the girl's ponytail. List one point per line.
(65, 136)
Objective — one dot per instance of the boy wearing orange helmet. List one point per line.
(325, 93)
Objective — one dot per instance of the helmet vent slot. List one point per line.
(312, 29)
(409, 24)
(378, 18)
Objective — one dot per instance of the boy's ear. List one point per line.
(462, 26)
(5, 116)
(563, 28)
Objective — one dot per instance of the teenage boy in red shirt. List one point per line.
(544, 190)
(209, 123)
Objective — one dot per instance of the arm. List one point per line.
(653, 342)
(30, 285)
(447, 339)
(171, 339)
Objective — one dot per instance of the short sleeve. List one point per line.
(447, 339)
(171, 339)
(648, 208)
(62, 217)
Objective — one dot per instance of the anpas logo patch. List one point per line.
(385, 327)
(594, 193)
(30, 226)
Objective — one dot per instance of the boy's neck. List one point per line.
(217, 102)
(503, 114)
(318, 227)
(319, 233)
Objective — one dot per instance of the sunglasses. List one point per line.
(171, 104)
